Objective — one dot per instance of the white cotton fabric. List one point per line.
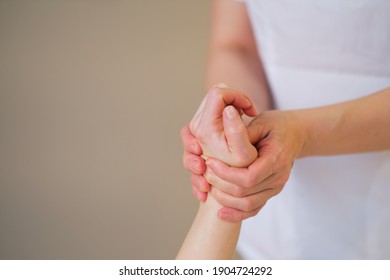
(318, 52)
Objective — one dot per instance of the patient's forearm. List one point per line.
(209, 236)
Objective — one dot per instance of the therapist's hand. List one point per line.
(217, 130)
(194, 163)
(244, 191)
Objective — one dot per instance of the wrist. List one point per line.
(210, 205)
(317, 125)
(301, 126)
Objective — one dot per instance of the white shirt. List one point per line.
(318, 52)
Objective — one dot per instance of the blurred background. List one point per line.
(93, 95)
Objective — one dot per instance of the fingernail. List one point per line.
(231, 113)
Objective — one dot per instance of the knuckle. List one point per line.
(238, 191)
(216, 92)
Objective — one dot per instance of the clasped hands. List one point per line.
(241, 166)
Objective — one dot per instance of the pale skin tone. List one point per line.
(356, 126)
(210, 237)
(233, 59)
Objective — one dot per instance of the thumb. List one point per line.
(237, 138)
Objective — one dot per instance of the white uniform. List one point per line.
(318, 52)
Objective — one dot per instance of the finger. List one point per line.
(247, 203)
(194, 163)
(257, 129)
(259, 170)
(222, 185)
(201, 196)
(218, 98)
(194, 124)
(277, 181)
(234, 216)
(200, 183)
(237, 137)
(189, 141)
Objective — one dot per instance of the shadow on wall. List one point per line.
(92, 98)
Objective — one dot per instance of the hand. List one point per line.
(217, 133)
(219, 129)
(244, 191)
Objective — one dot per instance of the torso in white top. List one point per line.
(316, 53)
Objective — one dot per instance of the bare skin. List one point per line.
(232, 52)
(234, 60)
(238, 191)
(357, 126)
(219, 126)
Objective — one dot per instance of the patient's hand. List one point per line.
(220, 137)
(219, 129)
(216, 130)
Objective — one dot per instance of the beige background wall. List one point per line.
(92, 97)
